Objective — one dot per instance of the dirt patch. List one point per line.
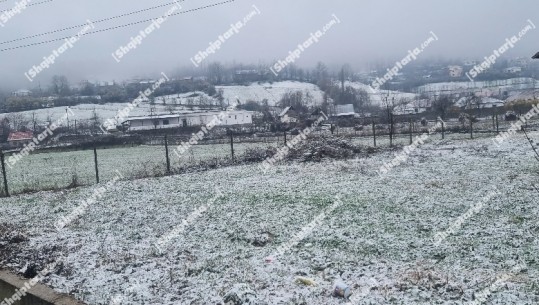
(12, 240)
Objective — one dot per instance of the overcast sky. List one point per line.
(370, 31)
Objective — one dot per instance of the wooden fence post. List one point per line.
(166, 153)
(374, 132)
(411, 136)
(497, 125)
(96, 166)
(391, 130)
(2, 157)
(443, 129)
(471, 127)
(232, 145)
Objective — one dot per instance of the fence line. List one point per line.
(403, 132)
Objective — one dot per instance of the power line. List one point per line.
(115, 27)
(28, 5)
(97, 21)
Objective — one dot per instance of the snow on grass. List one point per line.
(53, 170)
(378, 97)
(512, 84)
(380, 237)
(272, 92)
(178, 102)
(85, 112)
(183, 98)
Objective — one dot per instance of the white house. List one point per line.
(193, 119)
(513, 70)
(455, 71)
(20, 93)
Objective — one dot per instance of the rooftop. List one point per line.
(20, 136)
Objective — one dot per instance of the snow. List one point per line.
(271, 92)
(486, 102)
(523, 96)
(53, 170)
(484, 87)
(177, 102)
(381, 237)
(378, 97)
(183, 98)
(83, 112)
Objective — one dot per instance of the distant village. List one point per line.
(424, 89)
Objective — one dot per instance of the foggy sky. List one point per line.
(370, 31)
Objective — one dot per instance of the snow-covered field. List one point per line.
(272, 92)
(176, 102)
(379, 241)
(183, 98)
(56, 169)
(486, 88)
(378, 98)
(85, 112)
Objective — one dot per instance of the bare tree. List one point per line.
(18, 121)
(95, 120)
(442, 106)
(215, 73)
(60, 85)
(170, 109)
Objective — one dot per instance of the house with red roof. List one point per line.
(19, 138)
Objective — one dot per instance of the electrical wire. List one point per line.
(115, 27)
(28, 5)
(97, 21)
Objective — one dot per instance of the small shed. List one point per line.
(345, 111)
(289, 115)
(19, 138)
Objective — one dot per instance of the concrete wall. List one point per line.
(38, 294)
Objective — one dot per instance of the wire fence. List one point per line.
(62, 168)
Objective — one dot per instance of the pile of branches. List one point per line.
(314, 150)
(310, 150)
